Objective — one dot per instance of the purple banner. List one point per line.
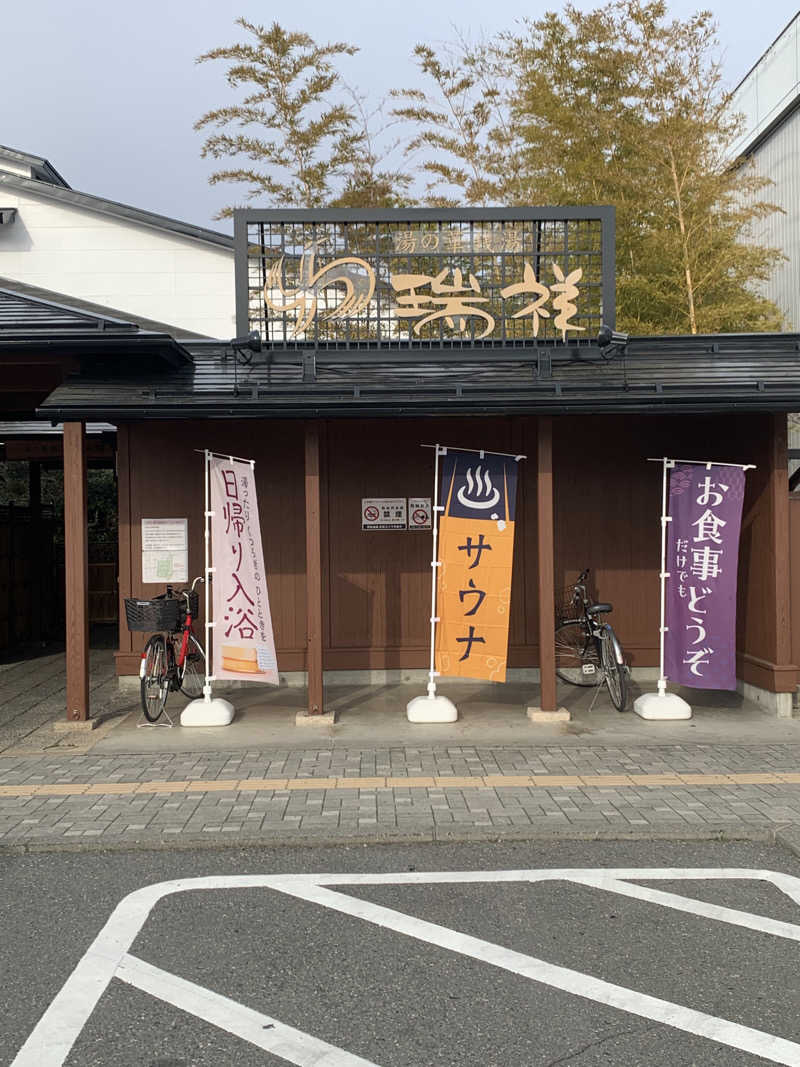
(705, 504)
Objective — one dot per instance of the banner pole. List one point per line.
(661, 704)
(665, 519)
(433, 708)
(207, 710)
(434, 568)
(207, 686)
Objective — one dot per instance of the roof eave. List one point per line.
(117, 210)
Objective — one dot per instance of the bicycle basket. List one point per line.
(160, 613)
(566, 605)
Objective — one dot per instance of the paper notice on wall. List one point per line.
(165, 551)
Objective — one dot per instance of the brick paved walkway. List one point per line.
(66, 791)
(382, 794)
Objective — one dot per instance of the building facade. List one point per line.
(333, 412)
(379, 333)
(73, 247)
(768, 98)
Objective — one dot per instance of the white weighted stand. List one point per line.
(664, 705)
(433, 708)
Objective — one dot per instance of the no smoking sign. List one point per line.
(384, 513)
(419, 513)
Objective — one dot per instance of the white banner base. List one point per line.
(431, 709)
(203, 712)
(661, 706)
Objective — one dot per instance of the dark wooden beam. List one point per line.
(313, 570)
(545, 530)
(779, 509)
(37, 590)
(124, 555)
(76, 569)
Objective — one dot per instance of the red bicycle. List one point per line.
(173, 659)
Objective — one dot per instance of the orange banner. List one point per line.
(476, 553)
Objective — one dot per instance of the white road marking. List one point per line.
(703, 908)
(759, 1043)
(264, 1032)
(51, 1040)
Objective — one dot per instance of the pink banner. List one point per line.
(242, 638)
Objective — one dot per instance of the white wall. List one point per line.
(137, 269)
(778, 158)
(768, 89)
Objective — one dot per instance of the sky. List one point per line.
(108, 92)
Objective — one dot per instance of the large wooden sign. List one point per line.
(497, 276)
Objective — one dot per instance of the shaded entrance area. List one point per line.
(32, 573)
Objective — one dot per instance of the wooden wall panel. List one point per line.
(794, 574)
(379, 582)
(166, 481)
(376, 586)
(607, 506)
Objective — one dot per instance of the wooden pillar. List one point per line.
(76, 569)
(544, 522)
(313, 571)
(124, 557)
(778, 489)
(35, 549)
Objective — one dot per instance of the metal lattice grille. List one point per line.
(397, 281)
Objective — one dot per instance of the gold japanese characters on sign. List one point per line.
(345, 287)
(493, 241)
(354, 274)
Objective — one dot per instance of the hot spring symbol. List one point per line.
(479, 492)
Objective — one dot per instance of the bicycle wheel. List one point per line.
(193, 671)
(613, 672)
(154, 684)
(577, 661)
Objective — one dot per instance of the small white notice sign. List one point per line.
(419, 513)
(165, 550)
(384, 513)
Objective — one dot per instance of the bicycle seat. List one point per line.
(599, 609)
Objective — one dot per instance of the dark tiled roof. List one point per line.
(42, 168)
(755, 372)
(92, 311)
(20, 312)
(31, 325)
(47, 429)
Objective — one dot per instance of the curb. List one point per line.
(785, 837)
(789, 838)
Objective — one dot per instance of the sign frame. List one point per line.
(378, 504)
(245, 264)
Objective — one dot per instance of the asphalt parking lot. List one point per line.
(625, 953)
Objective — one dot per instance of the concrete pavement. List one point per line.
(732, 771)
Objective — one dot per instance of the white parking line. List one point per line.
(760, 923)
(260, 1030)
(50, 1042)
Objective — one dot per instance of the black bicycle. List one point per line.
(588, 651)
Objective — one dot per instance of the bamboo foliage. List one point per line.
(619, 105)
